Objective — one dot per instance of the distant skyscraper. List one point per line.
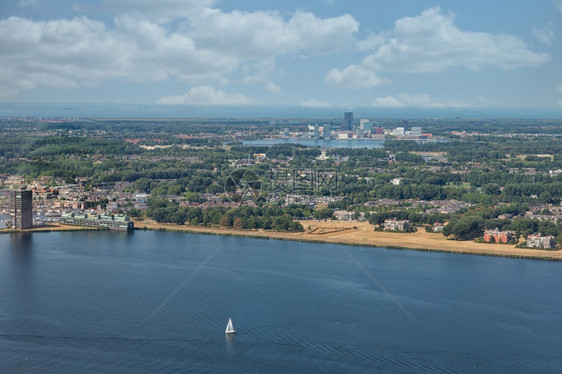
(21, 209)
(347, 121)
(405, 124)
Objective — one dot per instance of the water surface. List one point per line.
(150, 302)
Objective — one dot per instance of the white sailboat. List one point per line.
(229, 328)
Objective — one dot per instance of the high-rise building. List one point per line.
(347, 121)
(365, 125)
(405, 124)
(326, 131)
(21, 209)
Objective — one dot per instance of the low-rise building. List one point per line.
(539, 241)
(344, 215)
(396, 225)
(113, 222)
(437, 227)
(497, 236)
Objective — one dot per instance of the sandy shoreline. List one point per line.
(362, 234)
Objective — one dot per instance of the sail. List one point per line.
(229, 327)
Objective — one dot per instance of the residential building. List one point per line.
(437, 227)
(21, 209)
(396, 225)
(344, 215)
(497, 236)
(539, 241)
(113, 222)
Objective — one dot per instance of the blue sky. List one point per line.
(316, 53)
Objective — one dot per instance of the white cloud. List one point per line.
(387, 101)
(259, 72)
(206, 95)
(315, 103)
(417, 100)
(434, 43)
(544, 34)
(63, 53)
(371, 41)
(272, 87)
(160, 11)
(203, 46)
(253, 35)
(559, 88)
(560, 103)
(352, 77)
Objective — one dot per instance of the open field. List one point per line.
(362, 233)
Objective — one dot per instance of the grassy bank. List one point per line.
(362, 234)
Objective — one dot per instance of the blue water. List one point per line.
(73, 110)
(343, 143)
(148, 302)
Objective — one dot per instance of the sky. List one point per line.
(318, 53)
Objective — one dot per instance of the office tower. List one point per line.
(21, 209)
(347, 121)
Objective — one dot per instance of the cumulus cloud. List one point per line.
(313, 103)
(63, 53)
(544, 34)
(387, 101)
(352, 76)
(158, 11)
(435, 43)
(260, 34)
(417, 100)
(259, 73)
(203, 46)
(272, 87)
(206, 95)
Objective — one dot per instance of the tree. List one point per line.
(238, 223)
(491, 189)
(225, 221)
(135, 213)
(464, 228)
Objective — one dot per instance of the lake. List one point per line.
(332, 143)
(147, 302)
